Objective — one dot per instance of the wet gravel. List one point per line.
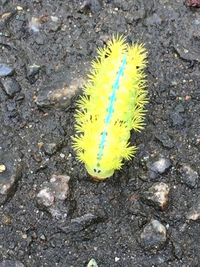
(51, 213)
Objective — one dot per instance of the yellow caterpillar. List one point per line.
(112, 105)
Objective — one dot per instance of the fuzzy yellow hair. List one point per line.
(112, 105)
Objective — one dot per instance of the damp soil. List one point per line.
(45, 50)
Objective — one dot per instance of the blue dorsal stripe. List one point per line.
(110, 109)
(114, 90)
(102, 143)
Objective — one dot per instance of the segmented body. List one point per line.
(112, 105)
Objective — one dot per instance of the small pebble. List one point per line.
(45, 197)
(5, 70)
(80, 223)
(20, 97)
(54, 18)
(55, 24)
(117, 259)
(19, 8)
(24, 236)
(4, 17)
(84, 219)
(39, 39)
(34, 24)
(11, 86)
(6, 219)
(179, 108)
(60, 186)
(32, 72)
(153, 236)
(58, 94)
(11, 105)
(157, 196)
(189, 176)
(50, 148)
(159, 167)
(43, 237)
(194, 212)
(2, 168)
(91, 5)
(92, 263)
(154, 20)
(53, 194)
(165, 140)
(62, 155)
(10, 177)
(176, 119)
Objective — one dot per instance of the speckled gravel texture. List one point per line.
(46, 47)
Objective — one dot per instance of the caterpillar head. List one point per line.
(98, 173)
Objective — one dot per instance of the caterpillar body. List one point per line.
(111, 106)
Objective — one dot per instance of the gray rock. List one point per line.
(83, 219)
(34, 24)
(80, 223)
(91, 5)
(58, 94)
(3, 96)
(176, 119)
(52, 195)
(20, 97)
(5, 70)
(159, 167)
(60, 186)
(154, 20)
(189, 176)
(92, 263)
(11, 263)
(43, 237)
(157, 196)
(10, 174)
(186, 41)
(180, 108)
(153, 236)
(40, 39)
(50, 148)
(5, 18)
(11, 105)
(55, 24)
(45, 197)
(194, 212)
(32, 72)
(11, 86)
(165, 140)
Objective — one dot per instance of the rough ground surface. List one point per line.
(148, 213)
